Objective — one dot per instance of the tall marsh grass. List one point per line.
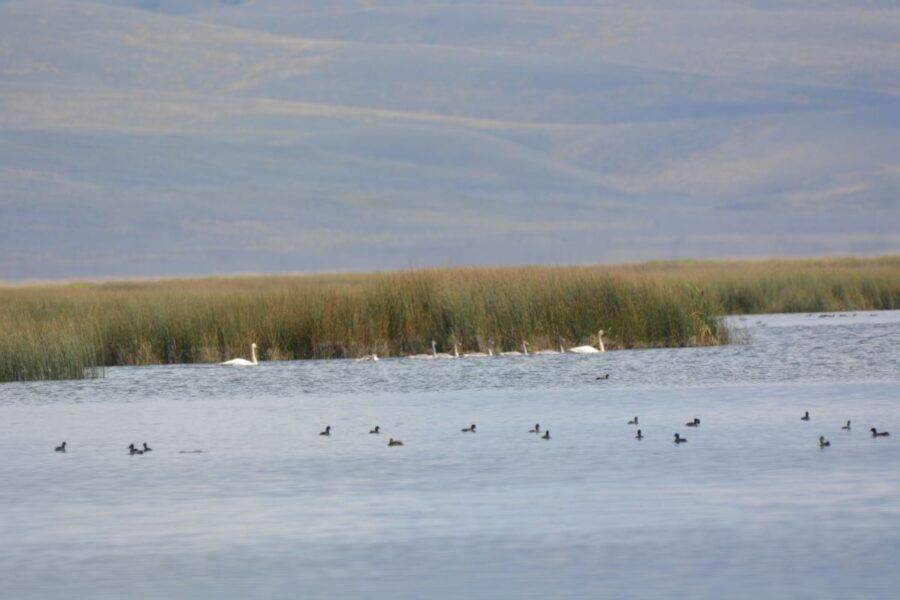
(63, 331)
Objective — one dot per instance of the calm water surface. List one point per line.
(749, 507)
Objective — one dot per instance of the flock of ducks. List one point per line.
(376, 430)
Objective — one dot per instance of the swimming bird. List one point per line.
(524, 351)
(537, 428)
(805, 416)
(368, 358)
(470, 429)
(604, 376)
(132, 450)
(694, 423)
(549, 351)
(847, 426)
(639, 435)
(590, 349)
(60, 448)
(634, 421)
(823, 442)
(377, 429)
(546, 435)
(147, 448)
(490, 351)
(426, 356)
(393, 442)
(679, 439)
(327, 431)
(442, 354)
(243, 362)
(876, 433)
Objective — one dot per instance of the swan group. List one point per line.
(434, 354)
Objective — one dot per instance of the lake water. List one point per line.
(750, 507)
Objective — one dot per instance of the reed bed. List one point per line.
(67, 331)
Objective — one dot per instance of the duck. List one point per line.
(393, 442)
(639, 435)
(805, 416)
(694, 423)
(602, 377)
(376, 430)
(876, 433)
(823, 442)
(60, 448)
(327, 431)
(132, 450)
(368, 358)
(847, 426)
(470, 429)
(679, 439)
(634, 421)
(537, 428)
(546, 435)
(147, 448)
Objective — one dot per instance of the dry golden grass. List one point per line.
(57, 331)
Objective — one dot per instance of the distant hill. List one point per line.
(142, 137)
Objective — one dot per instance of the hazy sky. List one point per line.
(142, 137)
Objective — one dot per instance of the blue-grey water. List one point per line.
(750, 507)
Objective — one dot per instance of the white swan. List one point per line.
(524, 351)
(590, 349)
(243, 362)
(490, 352)
(444, 354)
(560, 351)
(424, 356)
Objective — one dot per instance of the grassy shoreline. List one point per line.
(58, 331)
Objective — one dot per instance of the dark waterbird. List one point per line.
(694, 423)
(679, 439)
(376, 430)
(60, 448)
(546, 435)
(469, 429)
(537, 428)
(147, 448)
(876, 433)
(823, 442)
(847, 426)
(639, 435)
(634, 421)
(604, 376)
(393, 442)
(805, 416)
(327, 431)
(132, 450)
